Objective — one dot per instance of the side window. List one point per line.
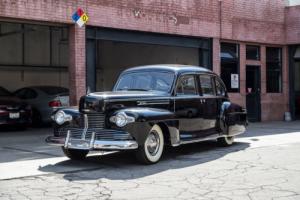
(207, 85)
(186, 85)
(220, 90)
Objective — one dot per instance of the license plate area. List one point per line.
(83, 144)
(78, 144)
(14, 115)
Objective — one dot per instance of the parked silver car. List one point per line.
(44, 101)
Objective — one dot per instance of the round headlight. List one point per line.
(59, 117)
(121, 119)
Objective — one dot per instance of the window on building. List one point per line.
(230, 66)
(252, 52)
(274, 69)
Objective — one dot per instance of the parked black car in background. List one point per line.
(13, 112)
(150, 107)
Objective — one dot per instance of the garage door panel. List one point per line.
(11, 44)
(37, 45)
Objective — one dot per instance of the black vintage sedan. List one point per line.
(150, 107)
(13, 112)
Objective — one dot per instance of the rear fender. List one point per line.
(233, 119)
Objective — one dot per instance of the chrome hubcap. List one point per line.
(153, 143)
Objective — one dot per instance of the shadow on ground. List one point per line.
(123, 165)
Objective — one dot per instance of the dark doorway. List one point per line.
(253, 93)
(110, 51)
(294, 80)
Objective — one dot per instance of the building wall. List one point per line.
(292, 18)
(257, 21)
(262, 22)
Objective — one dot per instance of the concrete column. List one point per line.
(77, 63)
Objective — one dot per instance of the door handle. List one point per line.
(202, 100)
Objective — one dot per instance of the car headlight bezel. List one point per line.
(121, 119)
(61, 117)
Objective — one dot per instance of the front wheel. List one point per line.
(75, 154)
(151, 151)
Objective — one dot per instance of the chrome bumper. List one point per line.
(91, 144)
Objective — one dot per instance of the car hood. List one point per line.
(126, 95)
(103, 101)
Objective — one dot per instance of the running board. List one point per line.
(211, 137)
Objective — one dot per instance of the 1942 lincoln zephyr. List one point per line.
(150, 107)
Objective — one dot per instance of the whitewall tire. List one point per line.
(151, 150)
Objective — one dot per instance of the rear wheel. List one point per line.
(75, 154)
(151, 151)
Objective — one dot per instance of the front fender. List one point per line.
(145, 118)
(74, 112)
(148, 114)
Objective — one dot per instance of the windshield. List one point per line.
(4, 92)
(146, 81)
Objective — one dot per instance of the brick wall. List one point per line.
(77, 69)
(292, 17)
(256, 21)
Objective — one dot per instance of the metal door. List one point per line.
(253, 88)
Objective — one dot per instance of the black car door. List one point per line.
(209, 102)
(187, 110)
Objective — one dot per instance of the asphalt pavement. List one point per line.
(264, 163)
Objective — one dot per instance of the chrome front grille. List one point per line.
(92, 120)
(96, 120)
(100, 134)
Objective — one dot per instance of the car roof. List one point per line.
(177, 68)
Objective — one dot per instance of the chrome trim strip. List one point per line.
(67, 139)
(92, 140)
(212, 137)
(86, 125)
(152, 103)
(95, 144)
(115, 145)
(140, 99)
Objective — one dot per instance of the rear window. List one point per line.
(4, 92)
(54, 90)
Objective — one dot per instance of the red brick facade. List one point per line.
(292, 19)
(265, 23)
